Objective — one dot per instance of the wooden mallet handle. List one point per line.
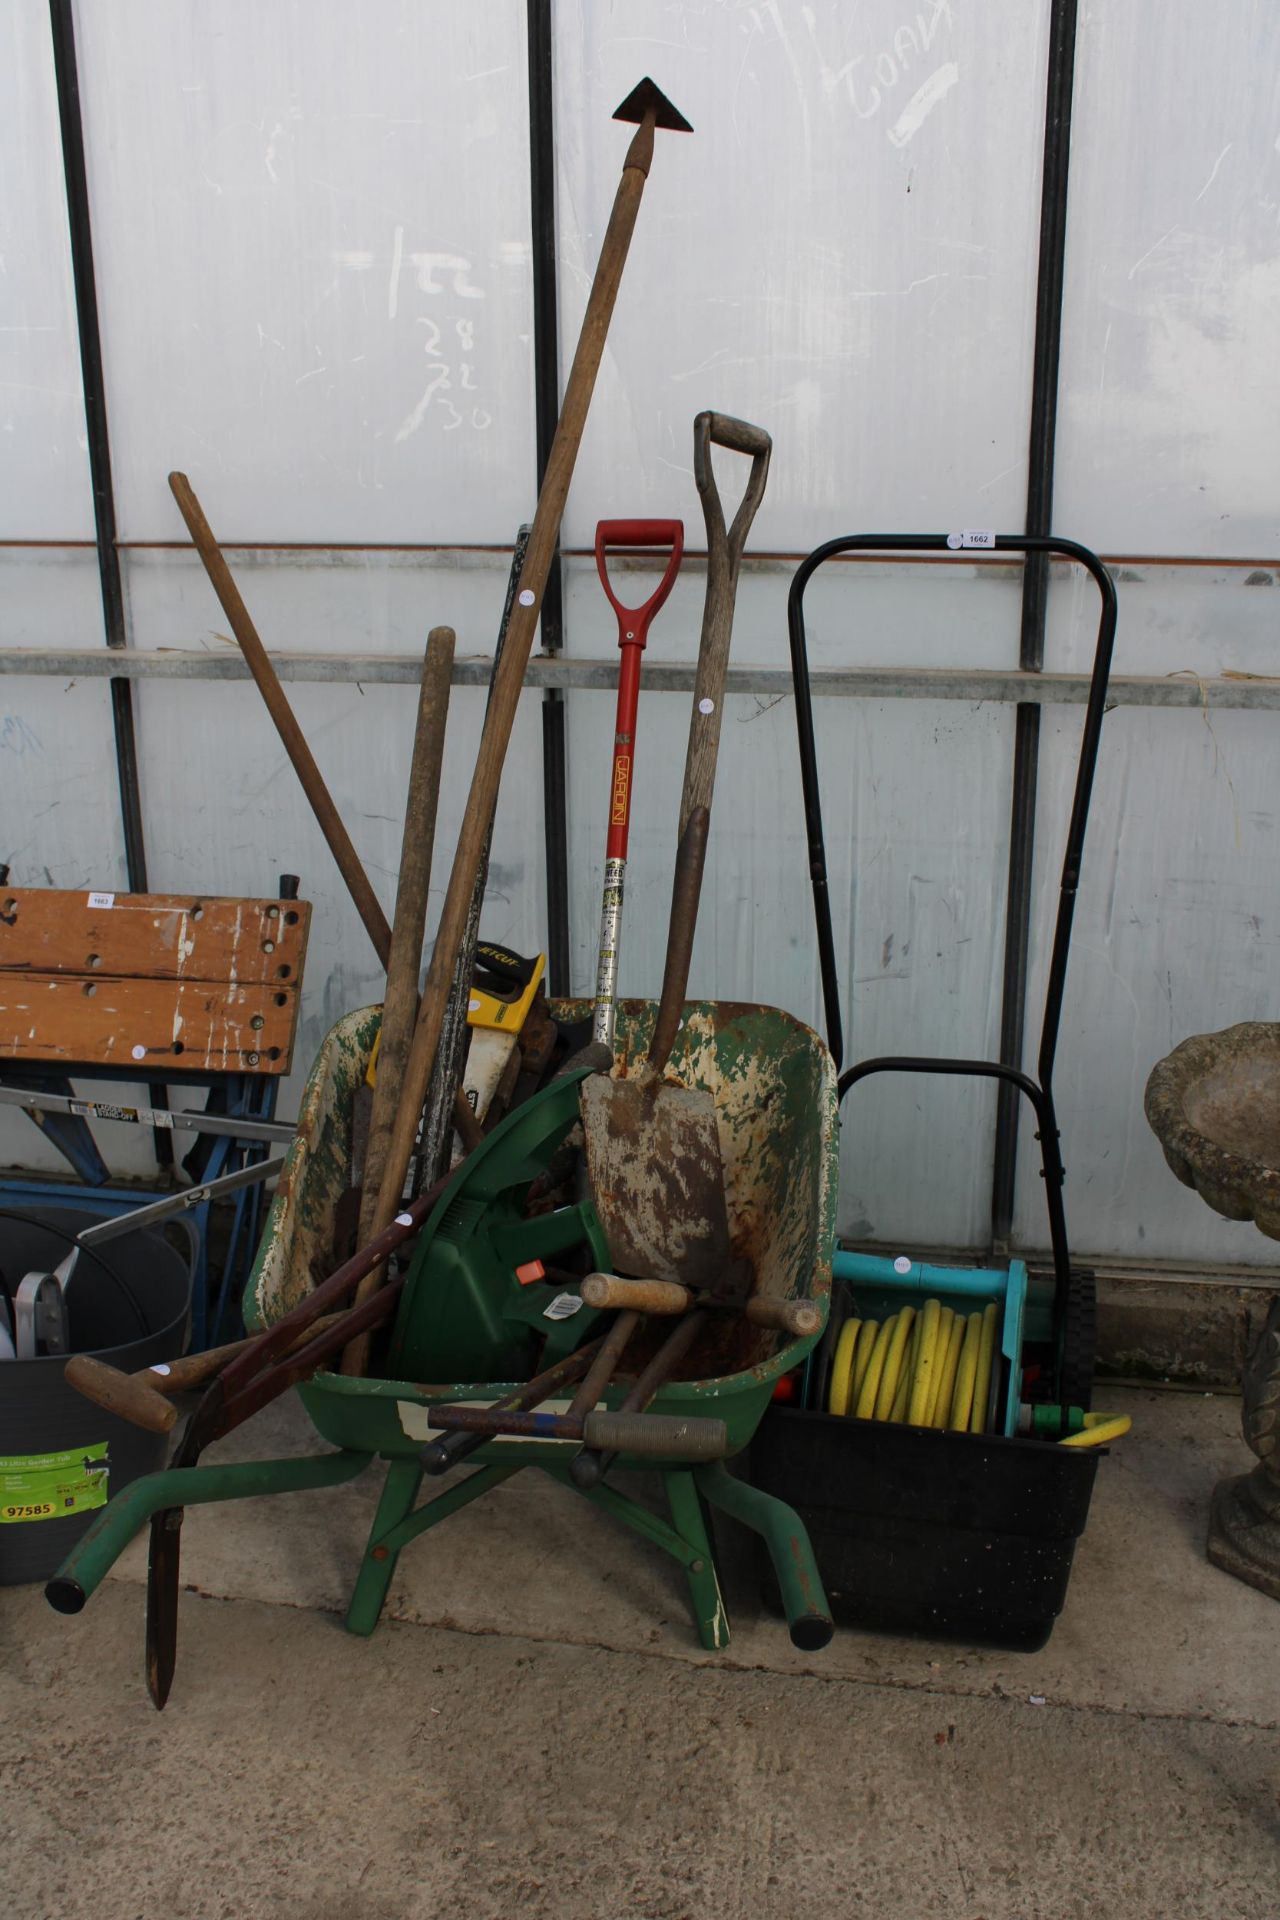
(120, 1393)
(799, 1318)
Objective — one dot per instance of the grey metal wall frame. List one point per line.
(66, 75)
(546, 395)
(75, 173)
(1050, 276)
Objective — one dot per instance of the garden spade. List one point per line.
(652, 1145)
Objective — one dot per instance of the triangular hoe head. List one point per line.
(646, 95)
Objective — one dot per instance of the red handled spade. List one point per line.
(633, 631)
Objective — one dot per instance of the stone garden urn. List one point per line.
(1214, 1106)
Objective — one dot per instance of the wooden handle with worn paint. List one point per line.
(400, 1005)
(724, 555)
(691, 856)
(197, 1369)
(120, 1393)
(635, 1296)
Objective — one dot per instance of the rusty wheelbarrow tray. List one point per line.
(774, 1086)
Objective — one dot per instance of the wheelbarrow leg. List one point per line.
(395, 1524)
(783, 1532)
(686, 1541)
(399, 1491)
(128, 1512)
(704, 1584)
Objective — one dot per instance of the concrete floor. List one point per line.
(533, 1730)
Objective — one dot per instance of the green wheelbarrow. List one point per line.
(487, 1302)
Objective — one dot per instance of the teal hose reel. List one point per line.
(880, 1287)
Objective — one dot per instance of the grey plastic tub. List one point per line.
(135, 1324)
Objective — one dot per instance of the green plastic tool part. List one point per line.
(465, 1315)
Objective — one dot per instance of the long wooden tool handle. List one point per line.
(196, 1369)
(686, 888)
(400, 1005)
(291, 734)
(724, 551)
(589, 1467)
(605, 1364)
(303, 1359)
(144, 1397)
(276, 1340)
(660, 1436)
(509, 679)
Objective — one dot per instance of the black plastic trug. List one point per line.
(948, 1534)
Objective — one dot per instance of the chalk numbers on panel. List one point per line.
(453, 395)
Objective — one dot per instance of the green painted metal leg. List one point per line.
(399, 1491)
(686, 1541)
(704, 1585)
(98, 1549)
(396, 1523)
(783, 1532)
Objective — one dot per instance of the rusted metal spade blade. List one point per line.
(652, 1146)
(657, 1180)
(645, 96)
(164, 1560)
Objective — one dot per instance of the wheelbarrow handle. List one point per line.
(111, 1530)
(783, 1532)
(657, 1436)
(634, 622)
